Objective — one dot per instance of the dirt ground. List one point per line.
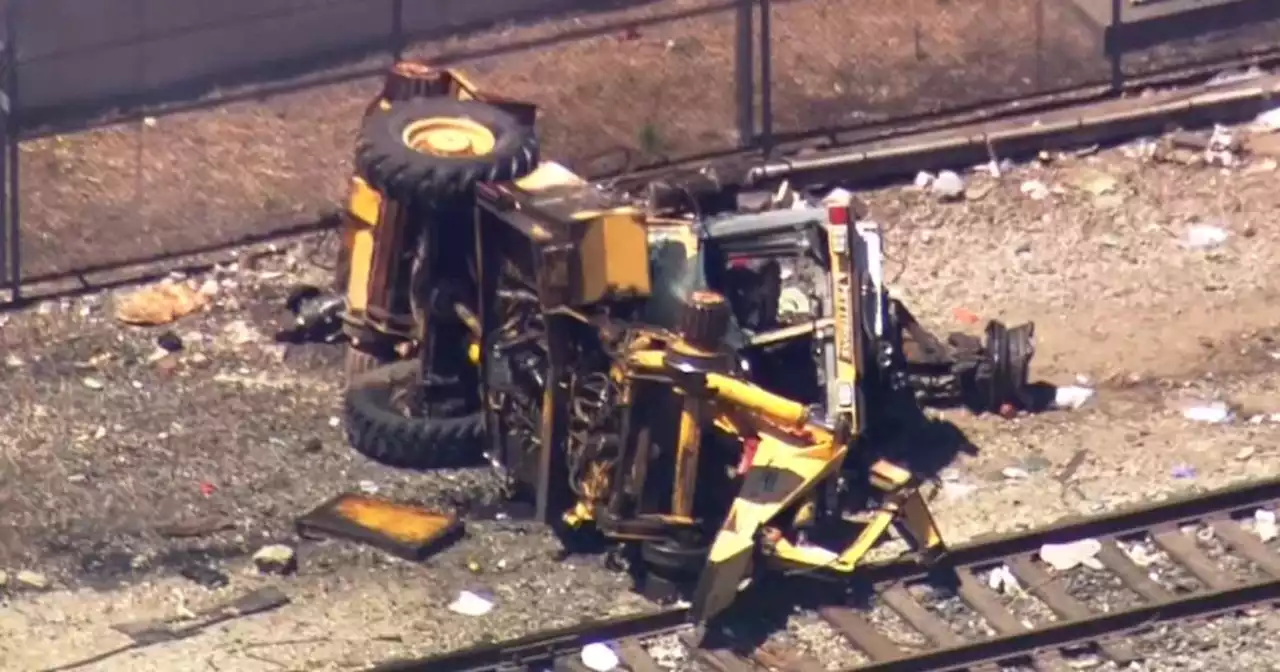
(104, 446)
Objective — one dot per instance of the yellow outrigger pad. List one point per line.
(404, 530)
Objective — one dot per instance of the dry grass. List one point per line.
(610, 97)
(205, 177)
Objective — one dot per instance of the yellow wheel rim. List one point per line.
(449, 136)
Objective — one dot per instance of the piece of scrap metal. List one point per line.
(406, 531)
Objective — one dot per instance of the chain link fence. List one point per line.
(156, 128)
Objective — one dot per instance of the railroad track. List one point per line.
(1182, 559)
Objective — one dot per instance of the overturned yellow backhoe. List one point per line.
(706, 387)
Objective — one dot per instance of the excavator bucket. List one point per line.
(782, 468)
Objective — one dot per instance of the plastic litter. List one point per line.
(470, 604)
(1070, 555)
(1003, 581)
(1184, 472)
(1204, 236)
(1071, 396)
(1014, 473)
(600, 657)
(1264, 525)
(955, 490)
(948, 186)
(1268, 121)
(1141, 555)
(1035, 190)
(1214, 412)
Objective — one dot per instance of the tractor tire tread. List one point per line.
(381, 434)
(402, 173)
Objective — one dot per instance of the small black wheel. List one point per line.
(382, 428)
(424, 149)
(1009, 353)
(672, 558)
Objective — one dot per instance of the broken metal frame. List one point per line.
(10, 222)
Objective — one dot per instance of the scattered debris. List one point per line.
(1184, 472)
(1264, 525)
(1141, 555)
(1092, 181)
(470, 604)
(1246, 453)
(1071, 397)
(32, 579)
(1226, 77)
(1036, 190)
(12, 361)
(965, 316)
(1223, 148)
(955, 490)
(1204, 236)
(276, 559)
(1070, 555)
(368, 487)
(1073, 465)
(600, 657)
(316, 316)
(1003, 581)
(996, 168)
(1268, 121)
(1215, 412)
(92, 383)
(240, 333)
(146, 633)
(205, 575)
(948, 186)
(169, 342)
(1015, 473)
(160, 304)
(195, 527)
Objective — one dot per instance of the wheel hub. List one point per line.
(449, 136)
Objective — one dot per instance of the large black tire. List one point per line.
(392, 166)
(381, 433)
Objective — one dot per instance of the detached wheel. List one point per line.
(423, 149)
(671, 559)
(380, 424)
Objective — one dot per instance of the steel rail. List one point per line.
(542, 649)
(1083, 631)
(1195, 74)
(1121, 522)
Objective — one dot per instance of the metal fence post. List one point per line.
(1114, 46)
(12, 261)
(766, 76)
(398, 41)
(744, 63)
(1039, 19)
